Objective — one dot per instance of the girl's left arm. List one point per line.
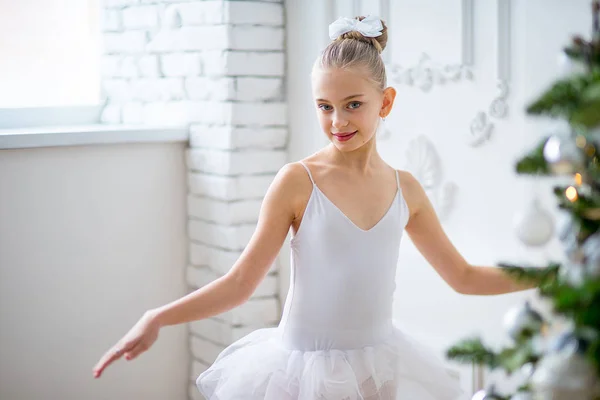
(429, 238)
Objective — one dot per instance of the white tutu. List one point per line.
(258, 366)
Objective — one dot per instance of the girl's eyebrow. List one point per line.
(347, 98)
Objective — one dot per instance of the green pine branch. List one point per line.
(580, 303)
(579, 208)
(542, 275)
(576, 99)
(510, 359)
(534, 163)
(473, 351)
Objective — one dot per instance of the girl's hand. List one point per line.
(139, 339)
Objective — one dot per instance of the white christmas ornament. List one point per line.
(521, 320)
(534, 226)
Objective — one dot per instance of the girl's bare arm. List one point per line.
(279, 209)
(277, 213)
(429, 238)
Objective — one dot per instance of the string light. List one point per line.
(578, 179)
(571, 194)
(590, 150)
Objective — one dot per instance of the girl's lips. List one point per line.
(344, 133)
(344, 136)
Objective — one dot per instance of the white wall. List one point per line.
(90, 238)
(489, 193)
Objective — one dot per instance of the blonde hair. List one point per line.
(352, 49)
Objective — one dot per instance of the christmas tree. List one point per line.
(558, 357)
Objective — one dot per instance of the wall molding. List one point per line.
(428, 72)
(425, 164)
(482, 123)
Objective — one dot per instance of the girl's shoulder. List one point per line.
(296, 184)
(412, 191)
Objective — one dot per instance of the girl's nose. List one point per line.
(338, 121)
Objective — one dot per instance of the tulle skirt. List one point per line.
(260, 366)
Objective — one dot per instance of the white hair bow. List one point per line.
(370, 26)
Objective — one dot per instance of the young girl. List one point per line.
(348, 210)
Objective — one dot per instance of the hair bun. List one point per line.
(378, 42)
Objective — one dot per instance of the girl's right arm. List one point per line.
(278, 210)
(277, 213)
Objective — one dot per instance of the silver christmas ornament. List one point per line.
(521, 396)
(534, 226)
(569, 341)
(563, 155)
(568, 236)
(591, 252)
(527, 370)
(565, 375)
(522, 321)
(574, 274)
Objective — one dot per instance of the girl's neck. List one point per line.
(363, 159)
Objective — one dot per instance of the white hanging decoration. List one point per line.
(534, 226)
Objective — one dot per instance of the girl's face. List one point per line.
(349, 106)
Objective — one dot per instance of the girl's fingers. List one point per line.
(108, 358)
(105, 361)
(133, 353)
(136, 351)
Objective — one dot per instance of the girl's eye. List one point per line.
(325, 107)
(354, 104)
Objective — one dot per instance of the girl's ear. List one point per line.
(389, 94)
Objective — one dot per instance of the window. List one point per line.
(49, 55)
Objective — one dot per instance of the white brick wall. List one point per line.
(202, 12)
(125, 42)
(253, 13)
(148, 66)
(236, 138)
(221, 212)
(256, 38)
(111, 20)
(230, 237)
(208, 88)
(218, 259)
(219, 331)
(253, 89)
(229, 187)
(140, 17)
(235, 163)
(218, 67)
(181, 64)
(244, 63)
(193, 392)
(204, 350)
(133, 113)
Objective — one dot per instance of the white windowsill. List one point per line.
(89, 135)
